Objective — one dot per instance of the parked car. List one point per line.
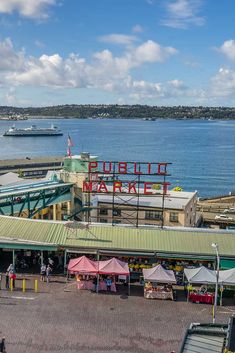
(229, 210)
(223, 217)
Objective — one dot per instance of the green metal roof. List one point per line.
(123, 238)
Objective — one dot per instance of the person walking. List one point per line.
(43, 272)
(7, 280)
(3, 345)
(12, 276)
(48, 273)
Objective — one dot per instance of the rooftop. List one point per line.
(173, 200)
(97, 236)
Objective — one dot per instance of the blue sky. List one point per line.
(156, 52)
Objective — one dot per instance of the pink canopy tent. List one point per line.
(82, 265)
(113, 267)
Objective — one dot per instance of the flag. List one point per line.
(69, 154)
(70, 142)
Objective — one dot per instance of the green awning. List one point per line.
(226, 264)
(23, 246)
(185, 257)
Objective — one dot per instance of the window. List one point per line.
(174, 217)
(117, 221)
(157, 215)
(104, 211)
(116, 212)
(102, 220)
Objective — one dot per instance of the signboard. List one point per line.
(126, 177)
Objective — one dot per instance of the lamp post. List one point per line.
(216, 247)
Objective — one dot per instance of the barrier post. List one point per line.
(23, 285)
(11, 284)
(36, 286)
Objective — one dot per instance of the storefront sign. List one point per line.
(106, 177)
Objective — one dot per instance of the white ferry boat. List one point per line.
(33, 131)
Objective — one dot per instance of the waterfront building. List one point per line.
(179, 209)
(31, 167)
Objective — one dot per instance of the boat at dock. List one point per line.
(33, 131)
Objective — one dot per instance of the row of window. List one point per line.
(154, 215)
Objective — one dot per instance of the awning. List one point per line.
(23, 246)
(226, 264)
(192, 257)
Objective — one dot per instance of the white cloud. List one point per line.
(183, 13)
(27, 8)
(151, 51)
(105, 71)
(223, 83)
(228, 49)
(9, 59)
(137, 29)
(118, 39)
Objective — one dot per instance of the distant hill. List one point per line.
(122, 111)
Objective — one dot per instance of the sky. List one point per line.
(154, 52)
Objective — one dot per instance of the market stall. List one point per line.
(203, 276)
(111, 268)
(158, 283)
(82, 265)
(97, 275)
(85, 271)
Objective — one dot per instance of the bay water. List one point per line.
(202, 152)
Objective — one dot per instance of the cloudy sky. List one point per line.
(157, 52)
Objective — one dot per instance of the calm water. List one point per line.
(201, 152)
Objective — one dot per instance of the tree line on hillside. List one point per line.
(122, 111)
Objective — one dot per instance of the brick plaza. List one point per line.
(59, 319)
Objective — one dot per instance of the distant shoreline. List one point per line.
(146, 112)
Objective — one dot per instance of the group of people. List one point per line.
(46, 270)
(94, 280)
(45, 273)
(108, 281)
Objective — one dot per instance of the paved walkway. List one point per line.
(61, 319)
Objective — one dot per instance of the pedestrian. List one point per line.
(2, 345)
(7, 280)
(108, 284)
(48, 272)
(12, 276)
(43, 272)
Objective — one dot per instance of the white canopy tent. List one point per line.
(200, 275)
(203, 275)
(159, 274)
(227, 277)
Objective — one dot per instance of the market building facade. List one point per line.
(144, 245)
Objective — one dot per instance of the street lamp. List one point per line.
(216, 247)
